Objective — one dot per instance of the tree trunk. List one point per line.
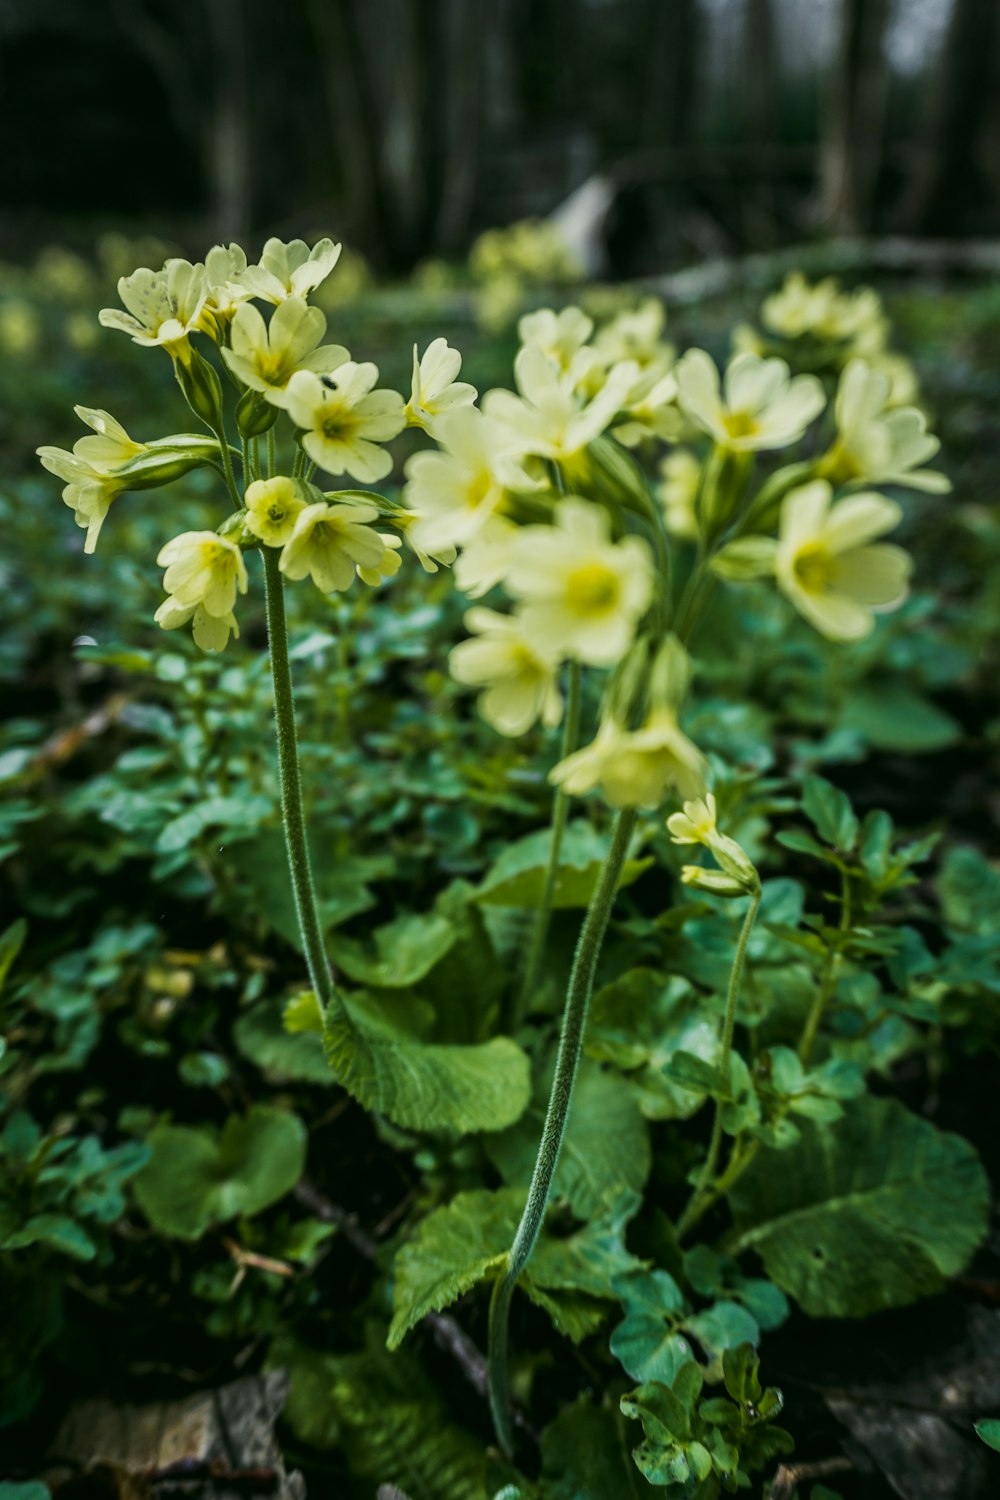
(851, 152)
(960, 168)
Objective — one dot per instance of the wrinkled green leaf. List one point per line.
(421, 1085)
(872, 1212)
(605, 1150)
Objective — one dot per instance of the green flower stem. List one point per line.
(291, 785)
(831, 973)
(704, 1183)
(560, 811)
(581, 984)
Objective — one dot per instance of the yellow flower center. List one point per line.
(739, 424)
(591, 588)
(813, 568)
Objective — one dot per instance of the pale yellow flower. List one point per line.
(434, 388)
(273, 507)
(224, 265)
(650, 410)
(163, 307)
(696, 824)
(636, 768)
(203, 568)
(800, 306)
(344, 419)
(877, 444)
(389, 564)
(210, 632)
(289, 270)
(549, 418)
(825, 563)
(329, 542)
(583, 593)
(560, 336)
(760, 406)
(637, 336)
(677, 492)
(265, 356)
(20, 326)
(519, 679)
(105, 464)
(460, 492)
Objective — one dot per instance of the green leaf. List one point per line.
(452, 1249)
(646, 1342)
(385, 1412)
(872, 1212)
(261, 1034)
(58, 1231)
(605, 1150)
(199, 1177)
(640, 1023)
(468, 1239)
(892, 716)
(405, 951)
(518, 877)
(11, 943)
(969, 887)
(830, 812)
(988, 1428)
(585, 1456)
(425, 1086)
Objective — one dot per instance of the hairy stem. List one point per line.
(704, 1182)
(835, 955)
(560, 811)
(581, 983)
(291, 786)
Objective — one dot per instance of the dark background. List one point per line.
(407, 126)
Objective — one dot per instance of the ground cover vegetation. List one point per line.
(589, 996)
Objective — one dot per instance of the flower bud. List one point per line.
(713, 882)
(202, 388)
(255, 414)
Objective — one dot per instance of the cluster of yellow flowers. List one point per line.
(822, 328)
(535, 489)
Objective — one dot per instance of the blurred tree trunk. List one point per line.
(207, 90)
(761, 115)
(960, 166)
(851, 151)
(404, 85)
(227, 126)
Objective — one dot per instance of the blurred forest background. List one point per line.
(687, 128)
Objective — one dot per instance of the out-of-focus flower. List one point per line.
(519, 679)
(761, 404)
